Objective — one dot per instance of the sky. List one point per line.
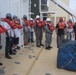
(73, 4)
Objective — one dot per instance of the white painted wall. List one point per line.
(15, 7)
(25, 8)
(4, 7)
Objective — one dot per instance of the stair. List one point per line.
(64, 7)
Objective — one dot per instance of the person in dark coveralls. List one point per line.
(25, 29)
(60, 27)
(9, 37)
(31, 27)
(38, 32)
(16, 33)
(48, 34)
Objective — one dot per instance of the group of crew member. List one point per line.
(65, 28)
(41, 26)
(12, 28)
(12, 34)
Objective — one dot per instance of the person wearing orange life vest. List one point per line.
(38, 27)
(69, 25)
(31, 28)
(60, 27)
(2, 30)
(16, 33)
(25, 24)
(29, 33)
(48, 33)
(9, 36)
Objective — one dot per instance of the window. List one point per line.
(44, 5)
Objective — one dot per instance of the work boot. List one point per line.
(1, 64)
(32, 41)
(18, 47)
(38, 46)
(41, 45)
(47, 48)
(12, 53)
(25, 43)
(0, 46)
(8, 57)
(50, 47)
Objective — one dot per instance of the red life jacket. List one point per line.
(70, 25)
(40, 23)
(11, 24)
(43, 23)
(61, 25)
(51, 27)
(3, 28)
(20, 27)
(17, 25)
(31, 24)
(26, 22)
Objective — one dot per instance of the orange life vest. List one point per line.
(61, 25)
(11, 24)
(31, 24)
(70, 25)
(2, 29)
(51, 27)
(26, 22)
(40, 23)
(17, 25)
(43, 23)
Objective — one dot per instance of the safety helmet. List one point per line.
(31, 19)
(24, 16)
(48, 19)
(37, 16)
(8, 15)
(14, 16)
(70, 20)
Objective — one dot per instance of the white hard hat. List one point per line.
(31, 19)
(48, 19)
(37, 16)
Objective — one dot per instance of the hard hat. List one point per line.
(70, 20)
(37, 16)
(31, 19)
(48, 19)
(24, 16)
(8, 15)
(14, 16)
